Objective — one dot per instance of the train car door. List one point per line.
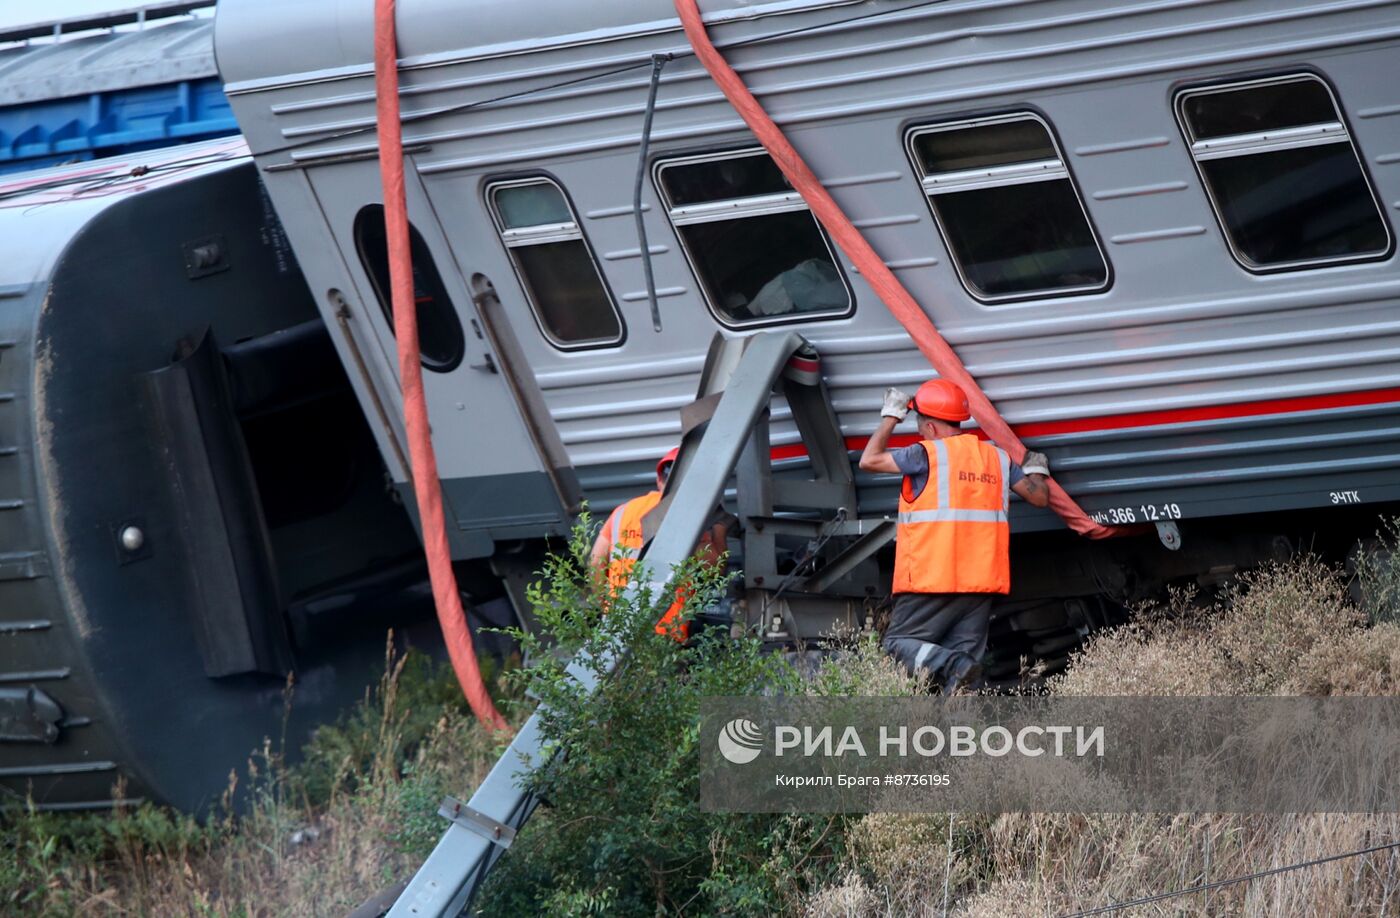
(501, 477)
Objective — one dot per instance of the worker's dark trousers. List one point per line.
(927, 629)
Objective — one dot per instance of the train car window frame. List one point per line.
(1002, 175)
(1232, 146)
(514, 238)
(759, 205)
(444, 325)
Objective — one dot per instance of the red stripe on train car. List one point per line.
(1212, 412)
(1155, 418)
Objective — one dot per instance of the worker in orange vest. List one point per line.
(620, 541)
(953, 550)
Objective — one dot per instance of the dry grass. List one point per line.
(1284, 630)
(907, 859)
(1054, 864)
(861, 667)
(359, 815)
(317, 840)
(1269, 625)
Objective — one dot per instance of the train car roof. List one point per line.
(41, 211)
(269, 42)
(165, 52)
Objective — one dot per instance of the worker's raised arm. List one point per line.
(876, 457)
(603, 545)
(1032, 488)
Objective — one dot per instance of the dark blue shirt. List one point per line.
(913, 462)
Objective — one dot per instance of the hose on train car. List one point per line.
(427, 489)
(870, 265)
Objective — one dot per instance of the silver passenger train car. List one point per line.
(1159, 233)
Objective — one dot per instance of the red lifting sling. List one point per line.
(426, 487)
(916, 323)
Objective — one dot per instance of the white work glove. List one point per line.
(896, 404)
(1035, 463)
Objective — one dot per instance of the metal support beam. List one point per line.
(859, 551)
(454, 870)
(821, 434)
(755, 502)
(817, 494)
(761, 496)
(704, 467)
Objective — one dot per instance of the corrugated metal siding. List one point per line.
(1182, 324)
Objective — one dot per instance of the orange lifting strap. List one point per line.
(916, 323)
(426, 486)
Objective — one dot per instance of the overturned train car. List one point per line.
(1159, 234)
(193, 508)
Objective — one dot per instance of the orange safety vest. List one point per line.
(627, 542)
(953, 536)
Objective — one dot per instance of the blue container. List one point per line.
(110, 93)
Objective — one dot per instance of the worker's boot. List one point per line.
(962, 671)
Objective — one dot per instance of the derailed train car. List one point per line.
(1159, 234)
(194, 507)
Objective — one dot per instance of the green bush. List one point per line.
(621, 831)
(1377, 566)
(391, 723)
(47, 858)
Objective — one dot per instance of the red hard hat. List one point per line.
(667, 459)
(939, 398)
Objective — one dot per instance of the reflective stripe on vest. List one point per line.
(955, 516)
(953, 535)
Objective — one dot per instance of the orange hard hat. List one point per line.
(667, 459)
(939, 398)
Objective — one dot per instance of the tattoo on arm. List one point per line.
(1034, 489)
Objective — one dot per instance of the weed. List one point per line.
(1284, 629)
(1377, 567)
(313, 839)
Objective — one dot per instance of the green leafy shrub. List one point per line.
(621, 831)
(394, 720)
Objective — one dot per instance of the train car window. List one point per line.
(556, 267)
(440, 338)
(1008, 210)
(753, 244)
(1282, 173)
